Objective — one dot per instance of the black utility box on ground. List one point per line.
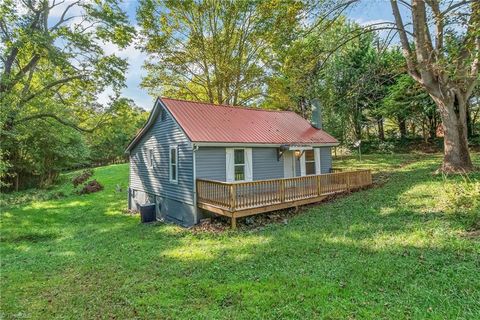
(147, 212)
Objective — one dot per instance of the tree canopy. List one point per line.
(54, 68)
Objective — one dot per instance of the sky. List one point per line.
(366, 12)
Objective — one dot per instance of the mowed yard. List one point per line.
(397, 250)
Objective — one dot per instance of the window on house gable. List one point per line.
(150, 158)
(309, 162)
(239, 164)
(173, 164)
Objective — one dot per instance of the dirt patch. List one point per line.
(130, 212)
(219, 224)
(472, 234)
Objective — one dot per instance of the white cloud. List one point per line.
(134, 74)
(366, 23)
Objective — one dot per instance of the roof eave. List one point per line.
(253, 144)
(151, 120)
(148, 124)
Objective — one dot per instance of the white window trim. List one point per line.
(174, 147)
(230, 164)
(302, 165)
(318, 162)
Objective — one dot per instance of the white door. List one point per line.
(288, 164)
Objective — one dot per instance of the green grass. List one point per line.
(393, 251)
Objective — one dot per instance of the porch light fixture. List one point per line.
(298, 153)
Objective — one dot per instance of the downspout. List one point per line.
(194, 149)
(129, 180)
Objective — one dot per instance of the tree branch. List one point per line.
(407, 53)
(58, 119)
(48, 87)
(62, 17)
(11, 83)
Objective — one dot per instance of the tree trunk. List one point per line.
(413, 129)
(358, 130)
(381, 131)
(454, 120)
(432, 127)
(402, 126)
(469, 121)
(474, 121)
(424, 131)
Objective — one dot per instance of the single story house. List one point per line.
(185, 145)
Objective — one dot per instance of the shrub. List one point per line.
(82, 177)
(22, 197)
(91, 187)
(386, 147)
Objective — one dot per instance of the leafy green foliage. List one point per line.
(110, 140)
(54, 68)
(216, 51)
(406, 100)
(43, 149)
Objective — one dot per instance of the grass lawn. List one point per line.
(393, 251)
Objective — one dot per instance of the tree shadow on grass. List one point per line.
(368, 255)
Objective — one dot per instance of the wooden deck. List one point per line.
(240, 199)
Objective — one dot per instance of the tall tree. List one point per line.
(54, 67)
(57, 56)
(216, 51)
(297, 66)
(445, 63)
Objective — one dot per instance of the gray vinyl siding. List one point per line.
(211, 163)
(156, 180)
(265, 164)
(326, 159)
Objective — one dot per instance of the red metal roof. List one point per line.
(205, 122)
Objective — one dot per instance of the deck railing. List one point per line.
(237, 196)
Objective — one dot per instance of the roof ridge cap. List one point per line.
(230, 106)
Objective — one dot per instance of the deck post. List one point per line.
(319, 187)
(233, 198)
(282, 190)
(348, 181)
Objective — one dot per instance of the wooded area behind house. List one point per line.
(396, 86)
